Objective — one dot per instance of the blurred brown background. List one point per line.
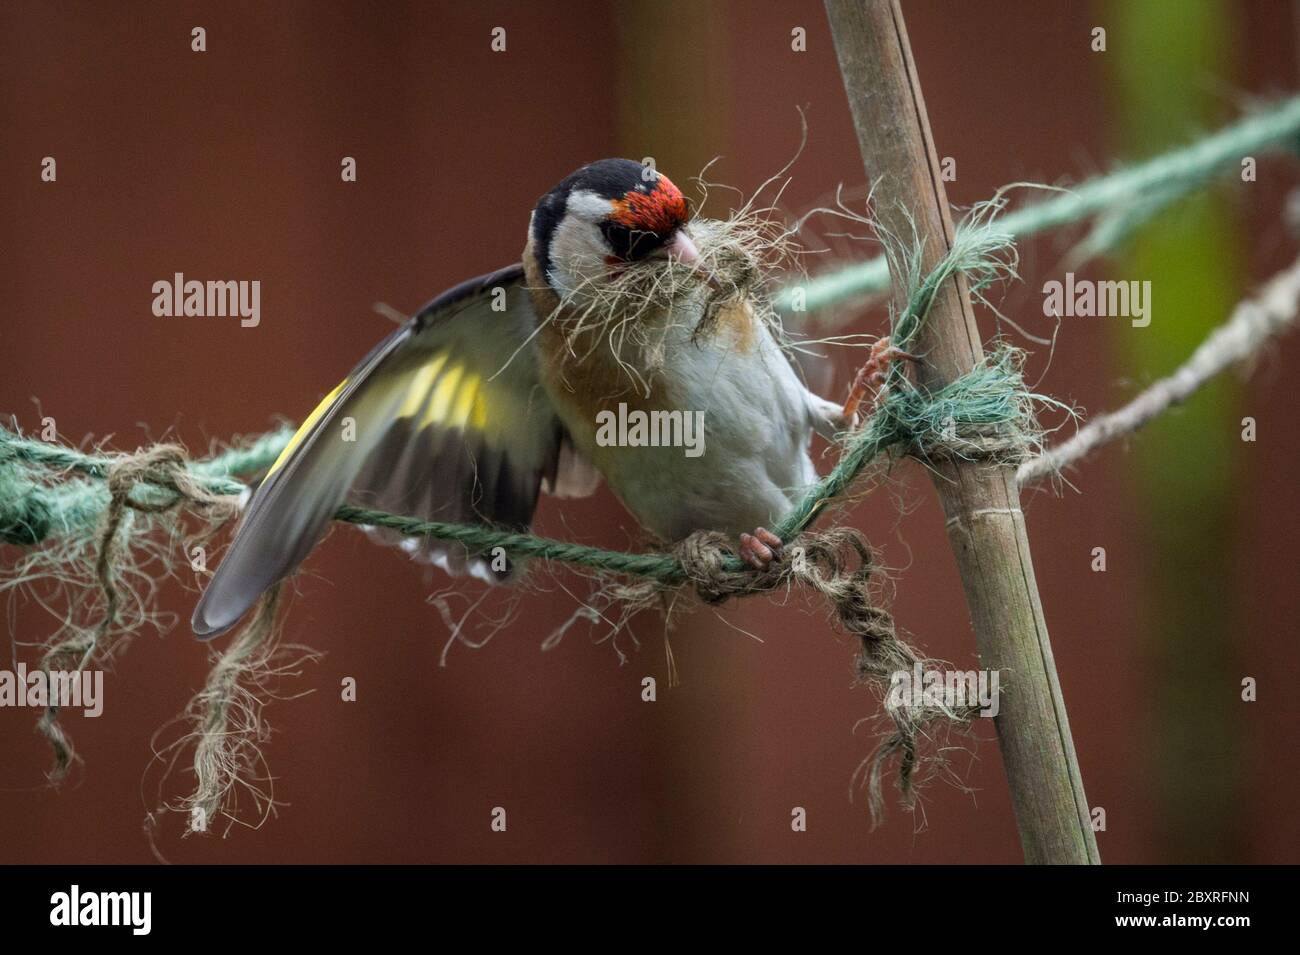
(225, 164)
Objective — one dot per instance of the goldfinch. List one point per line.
(506, 385)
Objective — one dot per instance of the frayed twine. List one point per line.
(988, 415)
(160, 469)
(225, 724)
(839, 566)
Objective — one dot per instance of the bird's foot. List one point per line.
(760, 548)
(872, 376)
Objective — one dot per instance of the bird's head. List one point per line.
(608, 217)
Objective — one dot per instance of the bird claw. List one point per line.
(872, 376)
(760, 548)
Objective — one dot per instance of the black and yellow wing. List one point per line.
(444, 420)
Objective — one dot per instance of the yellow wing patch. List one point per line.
(306, 427)
(440, 405)
(447, 395)
(457, 402)
(418, 388)
(467, 400)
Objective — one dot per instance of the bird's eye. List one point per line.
(629, 243)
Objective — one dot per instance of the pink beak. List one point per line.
(682, 248)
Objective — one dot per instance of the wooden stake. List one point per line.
(981, 502)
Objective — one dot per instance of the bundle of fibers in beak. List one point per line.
(637, 311)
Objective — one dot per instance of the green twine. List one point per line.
(1128, 197)
(24, 511)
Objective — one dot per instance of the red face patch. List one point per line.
(659, 210)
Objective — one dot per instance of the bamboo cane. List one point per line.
(981, 502)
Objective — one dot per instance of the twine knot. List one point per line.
(164, 467)
(992, 443)
(838, 564)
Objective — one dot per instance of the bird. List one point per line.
(492, 393)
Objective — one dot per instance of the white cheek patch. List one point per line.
(578, 253)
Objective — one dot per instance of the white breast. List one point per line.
(757, 430)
